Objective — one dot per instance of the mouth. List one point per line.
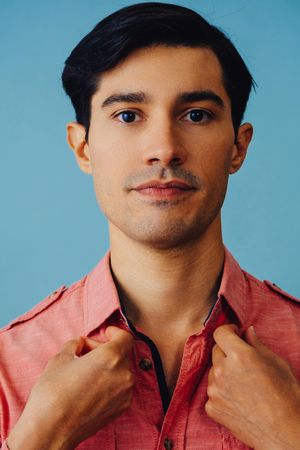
(169, 190)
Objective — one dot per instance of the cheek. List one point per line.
(214, 158)
(109, 170)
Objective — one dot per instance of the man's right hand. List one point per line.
(83, 388)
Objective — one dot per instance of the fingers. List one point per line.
(120, 343)
(69, 351)
(73, 348)
(120, 339)
(228, 339)
(217, 355)
(90, 345)
(252, 338)
(210, 376)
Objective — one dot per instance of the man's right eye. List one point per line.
(127, 116)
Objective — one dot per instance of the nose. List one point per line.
(162, 145)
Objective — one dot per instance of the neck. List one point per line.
(177, 286)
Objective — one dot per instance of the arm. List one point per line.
(253, 392)
(95, 376)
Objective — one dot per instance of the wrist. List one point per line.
(31, 436)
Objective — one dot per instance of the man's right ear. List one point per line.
(76, 137)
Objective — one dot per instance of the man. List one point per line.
(167, 343)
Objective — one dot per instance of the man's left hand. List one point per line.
(253, 392)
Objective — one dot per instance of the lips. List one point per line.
(175, 184)
(164, 191)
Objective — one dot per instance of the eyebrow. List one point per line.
(128, 97)
(184, 97)
(196, 96)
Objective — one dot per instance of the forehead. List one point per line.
(163, 71)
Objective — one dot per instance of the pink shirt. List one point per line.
(89, 305)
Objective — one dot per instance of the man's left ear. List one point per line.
(240, 148)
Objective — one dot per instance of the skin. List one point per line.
(162, 299)
(54, 423)
(253, 392)
(163, 143)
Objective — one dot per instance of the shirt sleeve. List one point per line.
(4, 446)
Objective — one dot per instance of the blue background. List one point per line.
(51, 230)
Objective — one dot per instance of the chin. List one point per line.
(168, 237)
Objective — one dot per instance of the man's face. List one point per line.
(161, 145)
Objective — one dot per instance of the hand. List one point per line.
(83, 388)
(253, 392)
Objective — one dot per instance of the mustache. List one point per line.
(162, 174)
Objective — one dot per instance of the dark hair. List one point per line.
(144, 25)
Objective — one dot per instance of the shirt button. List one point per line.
(145, 364)
(168, 444)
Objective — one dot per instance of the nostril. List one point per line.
(154, 160)
(173, 162)
(177, 160)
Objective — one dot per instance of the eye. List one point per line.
(128, 116)
(198, 116)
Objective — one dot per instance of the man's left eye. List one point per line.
(197, 116)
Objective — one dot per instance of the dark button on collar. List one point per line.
(168, 444)
(145, 364)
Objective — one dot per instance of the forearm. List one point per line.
(287, 438)
(34, 437)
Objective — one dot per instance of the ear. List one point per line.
(77, 141)
(240, 148)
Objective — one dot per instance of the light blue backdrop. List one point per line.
(51, 230)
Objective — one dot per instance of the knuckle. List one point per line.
(237, 356)
(129, 379)
(113, 359)
(244, 356)
(219, 373)
(208, 407)
(215, 347)
(211, 391)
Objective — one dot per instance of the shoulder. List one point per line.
(280, 293)
(270, 290)
(275, 315)
(46, 306)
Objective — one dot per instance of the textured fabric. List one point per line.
(91, 304)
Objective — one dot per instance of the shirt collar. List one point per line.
(234, 287)
(101, 297)
(102, 300)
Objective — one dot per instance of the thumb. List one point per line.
(117, 334)
(111, 332)
(252, 339)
